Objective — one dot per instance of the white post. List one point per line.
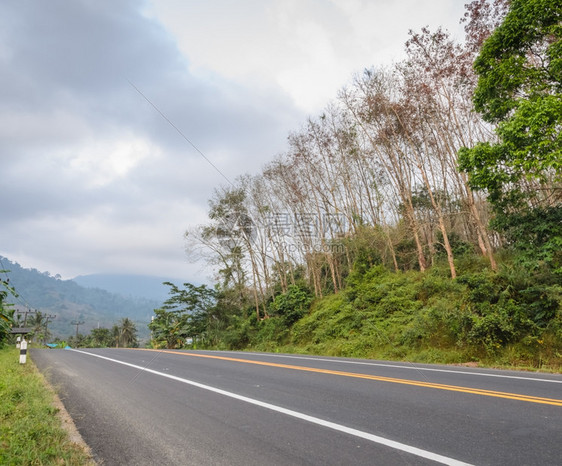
(23, 351)
(18, 340)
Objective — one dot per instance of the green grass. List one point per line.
(30, 431)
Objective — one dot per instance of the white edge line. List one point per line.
(321, 422)
(412, 367)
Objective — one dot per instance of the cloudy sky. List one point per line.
(93, 179)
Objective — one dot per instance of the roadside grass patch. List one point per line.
(30, 431)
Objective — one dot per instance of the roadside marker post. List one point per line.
(21, 332)
(23, 351)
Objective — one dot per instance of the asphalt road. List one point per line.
(145, 407)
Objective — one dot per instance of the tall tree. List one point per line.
(37, 323)
(188, 312)
(229, 236)
(100, 338)
(481, 18)
(520, 90)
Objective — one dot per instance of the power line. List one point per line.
(180, 132)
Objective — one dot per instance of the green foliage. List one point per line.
(520, 89)
(270, 334)
(504, 317)
(406, 254)
(122, 335)
(168, 329)
(508, 64)
(536, 236)
(368, 314)
(38, 322)
(127, 334)
(6, 311)
(460, 248)
(101, 338)
(495, 310)
(79, 341)
(292, 305)
(367, 247)
(426, 316)
(188, 312)
(237, 335)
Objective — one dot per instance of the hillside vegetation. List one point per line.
(418, 217)
(504, 318)
(70, 303)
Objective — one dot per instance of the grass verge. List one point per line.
(31, 433)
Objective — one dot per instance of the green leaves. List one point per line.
(520, 89)
(537, 237)
(127, 333)
(484, 164)
(292, 305)
(521, 58)
(532, 138)
(6, 311)
(531, 148)
(186, 313)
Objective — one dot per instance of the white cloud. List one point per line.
(95, 180)
(307, 48)
(99, 163)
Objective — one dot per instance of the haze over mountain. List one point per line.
(136, 286)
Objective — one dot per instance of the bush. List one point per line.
(292, 305)
(270, 333)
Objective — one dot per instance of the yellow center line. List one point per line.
(453, 388)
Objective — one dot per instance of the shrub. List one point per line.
(292, 305)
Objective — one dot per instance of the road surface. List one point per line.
(148, 407)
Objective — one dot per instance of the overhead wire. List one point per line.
(180, 132)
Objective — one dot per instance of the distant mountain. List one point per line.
(71, 302)
(136, 286)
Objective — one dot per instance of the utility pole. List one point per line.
(29, 311)
(77, 323)
(47, 318)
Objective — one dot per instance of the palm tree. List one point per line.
(115, 334)
(127, 333)
(37, 321)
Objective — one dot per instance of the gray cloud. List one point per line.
(93, 179)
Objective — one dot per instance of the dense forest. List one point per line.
(419, 216)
